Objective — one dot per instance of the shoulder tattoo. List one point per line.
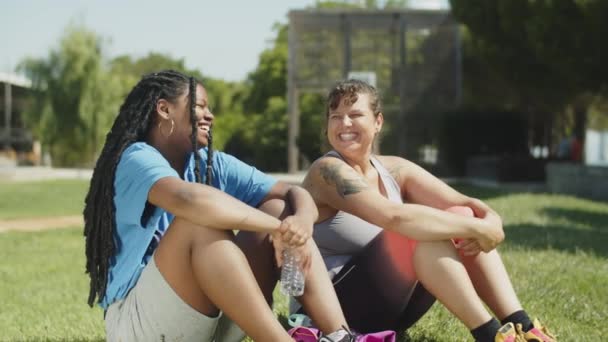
(345, 184)
(395, 171)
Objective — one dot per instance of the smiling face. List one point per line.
(179, 112)
(352, 127)
(203, 116)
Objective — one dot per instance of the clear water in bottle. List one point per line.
(292, 278)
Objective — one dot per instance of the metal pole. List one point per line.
(346, 31)
(458, 60)
(8, 104)
(402, 86)
(293, 130)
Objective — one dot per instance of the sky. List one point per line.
(221, 38)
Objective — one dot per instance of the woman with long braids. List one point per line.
(162, 257)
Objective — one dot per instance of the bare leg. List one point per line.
(440, 270)
(260, 254)
(319, 299)
(208, 271)
(490, 278)
(492, 282)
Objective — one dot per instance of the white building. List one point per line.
(596, 148)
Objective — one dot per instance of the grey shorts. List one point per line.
(152, 311)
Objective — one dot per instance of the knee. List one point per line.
(195, 235)
(276, 207)
(435, 245)
(434, 249)
(461, 210)
(253, 241)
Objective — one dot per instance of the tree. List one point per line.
(264, 104)
(225, 98)
(270, 77)
(544, 56)
(129, 71)
(78, 95)
(72, 108)
(255, 130)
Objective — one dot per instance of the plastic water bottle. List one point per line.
(292, 278)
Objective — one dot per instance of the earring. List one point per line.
(160, 128)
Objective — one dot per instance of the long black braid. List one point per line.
(197, 157)
(134, 121)
(209, 158)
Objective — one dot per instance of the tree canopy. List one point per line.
(540, 56)
(529, 56)
(71, 103)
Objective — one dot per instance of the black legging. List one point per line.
(374, 287)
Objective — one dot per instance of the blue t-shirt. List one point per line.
(140, 166)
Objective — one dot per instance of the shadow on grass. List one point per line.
(283, 319)
(405, 337)
(599, 221)
(559, 237)
(483, 193)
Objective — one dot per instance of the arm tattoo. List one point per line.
(344, 185)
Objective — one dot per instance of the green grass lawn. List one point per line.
(556, 252)
(45, 198)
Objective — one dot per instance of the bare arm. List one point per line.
(299, 200)
(207, 206)
(295, 229)
(335, 184)
(421, 187)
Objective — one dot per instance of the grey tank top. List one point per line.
(342, 236)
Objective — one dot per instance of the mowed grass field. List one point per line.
(556, 252)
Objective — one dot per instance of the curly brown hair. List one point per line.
(348, 91)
